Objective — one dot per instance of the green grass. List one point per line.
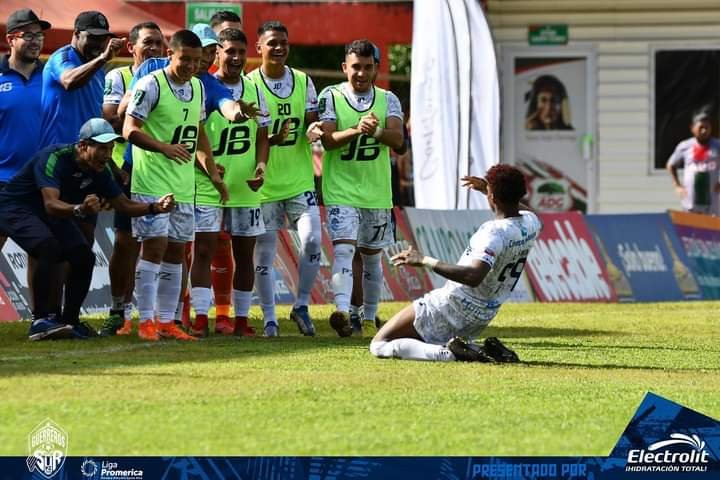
(586, 368)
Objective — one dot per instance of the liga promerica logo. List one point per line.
(47, 447)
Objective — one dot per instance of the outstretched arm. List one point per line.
(132, 208)
(471, 275)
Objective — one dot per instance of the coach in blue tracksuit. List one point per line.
(20, 88)
(38, 209)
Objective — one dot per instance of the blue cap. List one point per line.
(206, 34)
(376, 53)
(99, 130)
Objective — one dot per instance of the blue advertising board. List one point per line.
(700, 238)
(644, 258)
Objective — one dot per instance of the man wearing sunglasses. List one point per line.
(20, 88)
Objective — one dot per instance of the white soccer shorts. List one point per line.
(371, 227)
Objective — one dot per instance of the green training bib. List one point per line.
(233, 147)
(358, 173)
(171, 121)
(290, 169)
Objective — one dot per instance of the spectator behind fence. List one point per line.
(698, 156)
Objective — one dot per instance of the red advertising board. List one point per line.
(565, 264)
(406, 283)
(7, 311)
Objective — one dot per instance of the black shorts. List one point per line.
(121, 221)
(29, 228)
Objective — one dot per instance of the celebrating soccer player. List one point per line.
(145, 41)
(241, 150)
(433, 326)
(289, 189)
(360, 123)
(163, 124)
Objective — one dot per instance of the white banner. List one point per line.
(455, 102)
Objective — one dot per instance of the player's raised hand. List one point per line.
(410, 256)
(249, 110)
(91, 205)
(476, 183)
(165, 204)
(113, 46)
(178, 153)
(314, 131)
(284, 130)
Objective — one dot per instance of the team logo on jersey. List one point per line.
(321, 105)
(47, 446)
(6, 87)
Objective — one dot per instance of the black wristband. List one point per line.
(151, 208)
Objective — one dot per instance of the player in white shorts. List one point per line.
(241, 151)
(289, 188)
(360, 124)
(431, 328)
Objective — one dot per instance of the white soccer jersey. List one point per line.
(504, 245)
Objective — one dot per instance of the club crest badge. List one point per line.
(47, 448)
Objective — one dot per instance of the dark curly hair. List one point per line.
(507, 183)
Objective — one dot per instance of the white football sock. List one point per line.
(169, 286)
(179, 310)
(146, 288)
(342, 275)
(372, 282)
(127, 311)
(411, 349)
(310, 233)
(241, 302)
(201, 298)
(265, 251)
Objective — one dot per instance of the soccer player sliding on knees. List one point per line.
(440, 325)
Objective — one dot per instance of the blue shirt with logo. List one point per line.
(56, 167)
(65, 111)
(19, 117)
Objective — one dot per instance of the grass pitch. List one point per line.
(586, 368)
